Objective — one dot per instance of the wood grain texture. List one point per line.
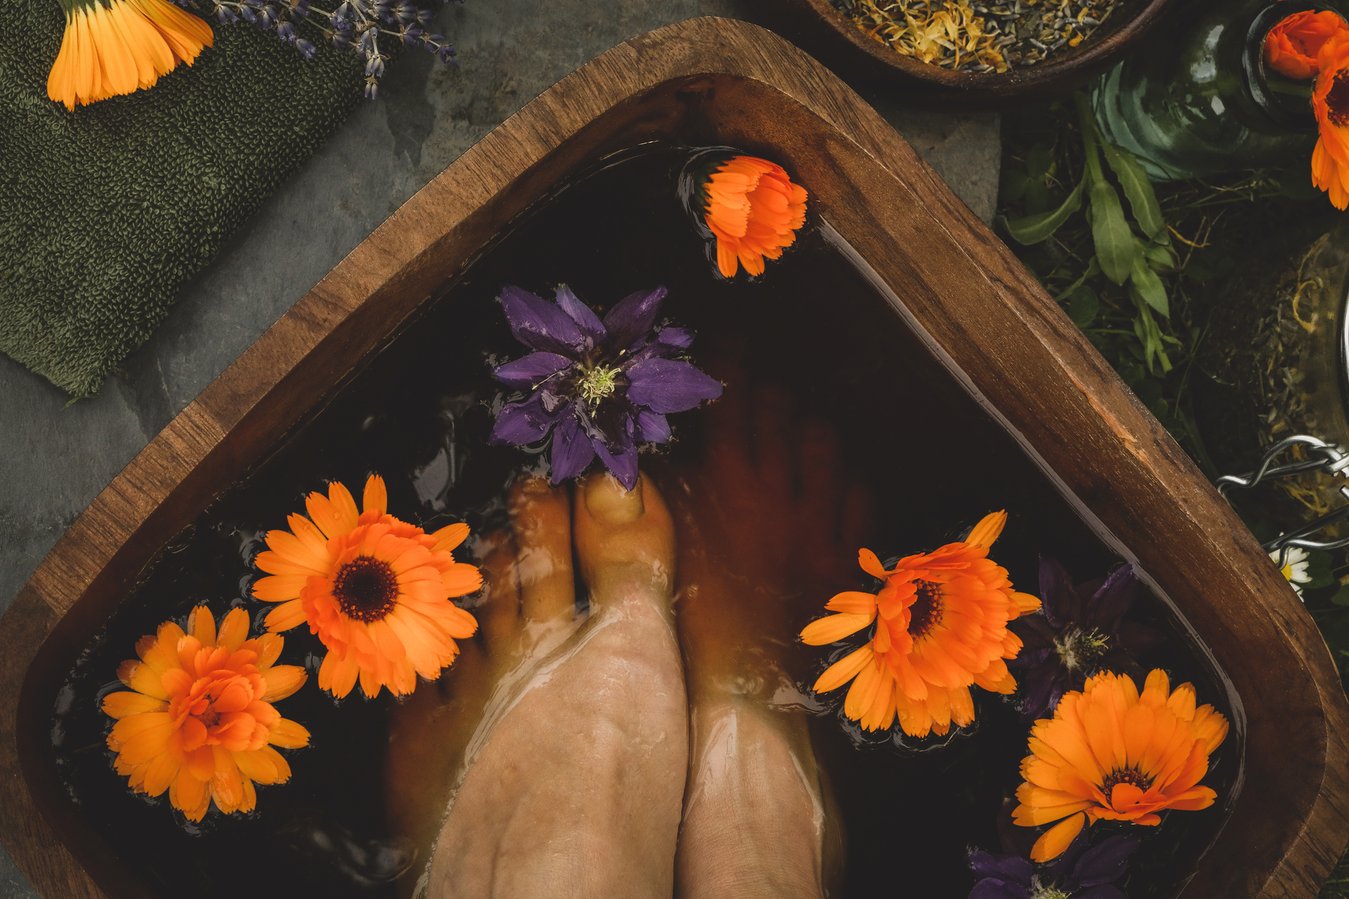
(714, 81)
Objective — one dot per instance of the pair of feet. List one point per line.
(617, 752)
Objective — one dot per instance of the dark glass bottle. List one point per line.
(1206, 104)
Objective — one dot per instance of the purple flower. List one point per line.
(1081, 630)
(600, 387)
(1083, 871)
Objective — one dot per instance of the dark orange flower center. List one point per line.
(926, 609)
(1337, 100)
(1125, 776)
(365, 588)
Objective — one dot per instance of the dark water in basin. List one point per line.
(419, 413)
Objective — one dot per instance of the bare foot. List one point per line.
(573, 779)
(761, 523)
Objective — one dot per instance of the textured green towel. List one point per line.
(106, 212)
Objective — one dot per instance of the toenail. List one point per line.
(608, 502)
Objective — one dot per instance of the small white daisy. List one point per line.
(1296, 567)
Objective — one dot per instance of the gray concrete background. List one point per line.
(56, 457)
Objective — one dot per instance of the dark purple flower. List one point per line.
(1083, 871)
(600, 387)
(1081, 629)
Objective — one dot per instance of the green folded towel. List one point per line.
(107, 211)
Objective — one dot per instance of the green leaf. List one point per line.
(1083, 305)
(1116, 247)
(1146, 287)
(1162, 257)
(1138, 188)
(1033, 229)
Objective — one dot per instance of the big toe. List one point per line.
(541, 518)
(624, 538)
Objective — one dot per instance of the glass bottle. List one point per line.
(1207, 104)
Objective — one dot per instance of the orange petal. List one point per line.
(844, 670)
(832, 628)
(1054, 841)
(987, 530)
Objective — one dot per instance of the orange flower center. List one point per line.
(1125, 776)
(1337, 100)
(926, 609)
(366, 588)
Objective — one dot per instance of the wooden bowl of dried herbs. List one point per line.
(979, 52)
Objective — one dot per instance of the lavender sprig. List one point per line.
(366, 27)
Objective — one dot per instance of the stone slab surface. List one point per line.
(56, 457)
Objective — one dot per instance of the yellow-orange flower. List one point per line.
(375, 589)
(1292, 45)
(940, 627)
(199, 720)
(1112, 754)
(1330, 102)
(114, 47)
(754, 210)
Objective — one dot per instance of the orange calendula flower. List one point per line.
(199, 720)
(754, 211)
(940, 627)
(1292, 45)
(375, 589)
(1330, 102)
(1112, 754)
(114, 47)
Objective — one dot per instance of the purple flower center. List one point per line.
(597, 383)
(1047, 891)
(1077, 648)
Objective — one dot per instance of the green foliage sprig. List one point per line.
(1131, 252)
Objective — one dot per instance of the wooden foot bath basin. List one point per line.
(956, 386)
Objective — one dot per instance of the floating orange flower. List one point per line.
(754, 210)
(375, 589)
(1111, 754)
(940, 627)
(1292, 45)
(199, 720)
(114, 47)
(1330, 102)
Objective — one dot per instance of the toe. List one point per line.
(541, 516)
(624, 538)
(498, 613)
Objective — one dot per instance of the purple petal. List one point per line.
(670, 385)
(571, 453)
(652, 427)
(997, 889)
(680, 338)
(528, 371)
(1012, 868)
(523, 423)
(1058, 598)
(621, 464)
(583, 315)
(539, 324)
(1115, 596)
(632, 317)
(1105, 862)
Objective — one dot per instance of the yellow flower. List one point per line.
(940, 627)
(1111, 754)
(375, 589)
(114, 47)
(198, 720)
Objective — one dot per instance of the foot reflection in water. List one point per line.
(609, 752)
